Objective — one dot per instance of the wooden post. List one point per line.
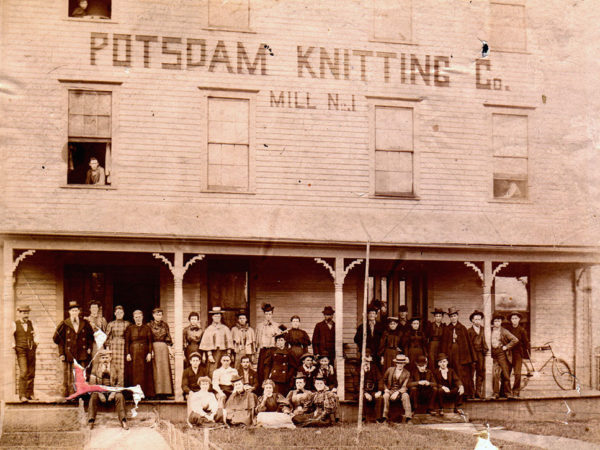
(488, 280)
(363, 347)
(339, 274)
(178, 270)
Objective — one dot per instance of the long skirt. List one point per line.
(138, 371)
(163, 384)
(117, 350)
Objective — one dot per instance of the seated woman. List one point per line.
(272, 408)
(299, 397)
(189, 379)
(222, 379)
(320, 409)
(327, 372)
(450, 388)
(203, 408)
(241, 404)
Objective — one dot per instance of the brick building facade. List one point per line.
(266, 134)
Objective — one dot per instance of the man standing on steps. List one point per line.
(25, 346)
(324, 335)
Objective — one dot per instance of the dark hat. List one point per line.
(195, 354)
(204, 379)
(438, 311)
(73, 304)
(328, 311)
(377, 304)
(155, 310)
(95, 302)
(371, 308)
(421, 360)
(475, 313)
(119, 307)
(266, 307)
(300, 375)
(267, 382)
(412, 319)
(216, 310)
(307, 355)
(441, 356)
(241, 313)
(401, 359)
(280, 335)
(325, 354)
(497, 316)
(392, 319)
(452, 310)
(235, 378)
(24, 308)
(320, 377)
(515, 313)
(402, 308)
(294, 317)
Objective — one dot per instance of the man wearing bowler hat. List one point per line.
(520, 350)
(324, 335)
(457, 346)
(25, 346)
(374, 332)
(480, 349)
(422, 386)
(74, 338)
(433, 332)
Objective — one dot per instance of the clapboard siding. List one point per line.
(159, 119)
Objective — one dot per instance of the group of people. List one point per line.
(405, 363)
(439, 365)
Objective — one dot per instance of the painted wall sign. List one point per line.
(176, 53)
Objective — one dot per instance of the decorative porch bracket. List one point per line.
(178, 270)
(8, 316)
(338, 273)
(487, 278)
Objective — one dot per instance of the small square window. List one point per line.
(230, 14)
(508, 32)
(90, 9)
(392, 20)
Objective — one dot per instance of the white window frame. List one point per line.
(390, 102)
(497, 47)
(243, 29)
(235, 94)
(410, 41)
(93, 86)
(65, 14)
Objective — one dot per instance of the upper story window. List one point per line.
(229, 14)
(510, 153)
(508, 28)
(90, 136)
(228, 144)
(90, 9)
(392, 21)
(394, 158)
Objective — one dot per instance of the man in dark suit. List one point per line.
(458, 347)
(323, 339)
(25, 346)
(249, 376)
(519, 351)
(189, 378)
(74, 338)
(480, 349)
(434, 332)
(374, 332)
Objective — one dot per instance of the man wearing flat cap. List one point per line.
(74, 338)
(25, 346)
(324, 335)
(480, 349)
(520, 350)
(457, 346)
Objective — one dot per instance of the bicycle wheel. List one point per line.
(562, 374)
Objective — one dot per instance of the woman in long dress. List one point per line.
(138, 351)
(162, 345)
(297, 339)
(115, 340)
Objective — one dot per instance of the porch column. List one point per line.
(8, 316)
(488, 280)
(178, 270)
(339, 274)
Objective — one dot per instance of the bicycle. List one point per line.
(561, 372)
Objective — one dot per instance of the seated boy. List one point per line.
(189, 379)
(422, 387)
(203, 407)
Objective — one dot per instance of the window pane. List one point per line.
(228, 120)
(393, 172)
(510, 166)
(510, 188)
(508, 27)
(509, 135)
(75, 102)
(229, 13)
(90, 114)
(393, 128)
(392, 19)
(511, 293)
(76, 125)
